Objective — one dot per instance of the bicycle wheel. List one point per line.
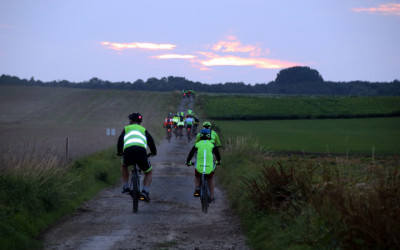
(135, 191)
(204, 196)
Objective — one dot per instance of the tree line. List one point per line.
(297, 80)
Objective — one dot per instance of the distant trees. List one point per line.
(291, 81)
(298, 74)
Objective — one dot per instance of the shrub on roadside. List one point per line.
(312, 203)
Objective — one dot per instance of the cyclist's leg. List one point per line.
(145, 165)
(125, 173)
(211, 184)
(197, 177)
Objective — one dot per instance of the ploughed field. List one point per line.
(39, 117)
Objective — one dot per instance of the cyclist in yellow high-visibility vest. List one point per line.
(214, 136)
(132, 145)
(206, 150)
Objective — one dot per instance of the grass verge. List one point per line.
(309, 202)
(37, 188)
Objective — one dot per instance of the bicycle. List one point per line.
(205, 198)
(134, 186)
(169, 134)
(204, 193)
(189, 134)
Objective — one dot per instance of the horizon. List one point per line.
(208, 42)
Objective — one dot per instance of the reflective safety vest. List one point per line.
(135, 136)
(189, 121)
(205, 157)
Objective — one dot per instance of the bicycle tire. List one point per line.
(204, 196)
(135, 191)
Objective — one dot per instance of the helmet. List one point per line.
(135, 117)
(170, 115)
(205, 134)
(207, 124)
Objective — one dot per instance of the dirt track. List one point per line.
(172, 220)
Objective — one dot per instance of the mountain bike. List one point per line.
(134, 186)
(204, 193)
(205, 198)
(189, 134)
(169, 134)
(180, 132)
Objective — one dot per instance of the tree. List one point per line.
(298, 74)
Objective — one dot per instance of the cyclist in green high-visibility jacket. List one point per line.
(206, 150)
(214, 136)
(132, 145)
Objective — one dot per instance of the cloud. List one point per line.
(174, 56)
(234, 45)
(386, 9)
(227, 52)
(230, 60)
(148, 46)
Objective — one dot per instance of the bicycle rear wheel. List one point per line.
(204, 197)
(135, 191)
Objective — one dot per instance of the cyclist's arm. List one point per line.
(151, 144)
(191, 154)
(217, 154)
(216, 139)
(120, 144)
(197, 138)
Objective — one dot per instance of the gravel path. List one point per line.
(172, 220)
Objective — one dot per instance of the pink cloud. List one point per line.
(234, 45)
(174, 56)
(149, 46)
(386, 9)
(229, 60)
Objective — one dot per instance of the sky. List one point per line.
(209, 41)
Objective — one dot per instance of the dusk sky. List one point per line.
(210, 41)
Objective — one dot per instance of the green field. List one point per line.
(259, 107)
(381, 135)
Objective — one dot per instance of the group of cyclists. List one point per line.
(188, 93)
(180, 121)
(134, 140)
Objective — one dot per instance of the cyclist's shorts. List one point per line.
(136, 155)
(197, 174)
(189, 126)
(168, 126)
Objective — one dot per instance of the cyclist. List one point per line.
(195, 123)
(214, 136)
(168, 123)
(189, 124)
(175, 120)
(205, 161)
(180, 125)
(132, 145)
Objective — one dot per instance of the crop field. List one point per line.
(291, 124)
(353, 136)
(262, 107)
(46, 117)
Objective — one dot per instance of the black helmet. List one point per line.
(205, 134)
(135, 117)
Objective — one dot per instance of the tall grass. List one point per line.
(306, 202)
(37, 187)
